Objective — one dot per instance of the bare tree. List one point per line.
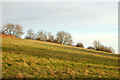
(50, 37)
(18, 31)
(40, 35)
(97, 45)
(63, 37)
(30, 34)
(9, 29)
(44, 36)
(12, 29)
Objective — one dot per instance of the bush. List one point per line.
(79, 44)
(90, 47)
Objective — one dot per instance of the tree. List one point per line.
(97, 45)
(40, 35)
(63, 37)
(44, 36)
(50, 37)
(30, 34)
(102, 48)
(79, 44)
(18, 31)
(9, 29)
(12, 29)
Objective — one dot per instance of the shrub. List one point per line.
(79, 44)
(90, 47)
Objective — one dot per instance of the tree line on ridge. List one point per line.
(61, 37)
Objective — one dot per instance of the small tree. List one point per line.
(79, 44)
(97, 45)
(30, 34)
(40, 35)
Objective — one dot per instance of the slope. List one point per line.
(23, 58)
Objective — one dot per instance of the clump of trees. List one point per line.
(12, 29)
(99, 47)
(60, 38)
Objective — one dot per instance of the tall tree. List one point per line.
(12, 29)
(64, 38)
(97, 45)
(9, 29)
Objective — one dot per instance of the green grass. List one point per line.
(23, 58)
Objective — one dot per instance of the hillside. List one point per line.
(23, 58)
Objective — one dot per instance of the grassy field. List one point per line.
(23, 58)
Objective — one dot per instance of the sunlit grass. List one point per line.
(36, 59)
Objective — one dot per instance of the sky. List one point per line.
(85, 21)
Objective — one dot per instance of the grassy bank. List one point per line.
(36, 59)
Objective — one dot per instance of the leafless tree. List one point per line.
(40, 35)
(50, 37)
(44, 36)
(97, 45)
(63, 37)
(12, 29)
(30, 34)
(9, 29)
(18, 31)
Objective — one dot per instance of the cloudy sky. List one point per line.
(86, 21)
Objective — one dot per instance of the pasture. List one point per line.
(22, 58)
